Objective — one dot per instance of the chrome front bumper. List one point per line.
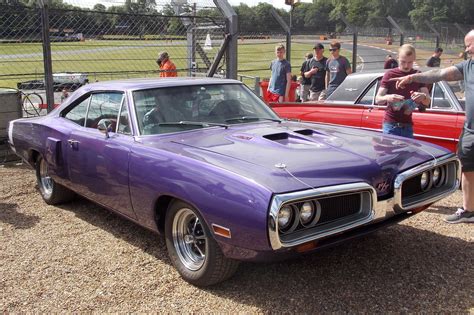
(375, 210)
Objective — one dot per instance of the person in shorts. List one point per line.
(280, 80)
(461, 71)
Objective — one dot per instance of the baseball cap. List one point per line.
(163, 55)
(318, 46)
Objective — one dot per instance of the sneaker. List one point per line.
(460, 216)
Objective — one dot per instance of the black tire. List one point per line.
(52, 192)
(211, 269)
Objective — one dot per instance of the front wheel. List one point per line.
(52, 192)
(192, 249)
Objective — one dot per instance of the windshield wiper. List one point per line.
(192, 123)
(252, 118)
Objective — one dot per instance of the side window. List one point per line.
(104, 106)
(124, 121)
(369, 96)
(78, 113)
(440, 99)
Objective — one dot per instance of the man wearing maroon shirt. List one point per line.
(401, 101)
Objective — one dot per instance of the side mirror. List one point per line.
(105, 126)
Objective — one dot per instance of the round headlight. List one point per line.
(437, 176)
(425, 180)
(306, 212)
(284, 217)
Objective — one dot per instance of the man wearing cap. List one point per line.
(167, 67)
(317, 73)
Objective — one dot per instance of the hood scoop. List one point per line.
(294, 140)
(305, 132)
(277, 136)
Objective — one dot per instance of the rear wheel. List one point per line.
(52, 192)
(193, 250)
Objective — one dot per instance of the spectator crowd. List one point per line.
(403, 89)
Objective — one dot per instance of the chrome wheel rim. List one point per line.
(189, 239)
(45, 180)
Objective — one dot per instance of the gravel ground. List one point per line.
(79, 257)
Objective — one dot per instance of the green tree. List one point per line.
(174, 24)
(357, 12)
(247, 18)
(316, 16)
(428, 10)
(99, 7)
(266, 22)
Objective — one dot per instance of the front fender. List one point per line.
(222, 197)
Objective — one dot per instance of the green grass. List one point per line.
(114, 59)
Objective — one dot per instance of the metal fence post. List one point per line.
(354, 50)
(257, 86)
(192, 63)
(431, 27)
(461, 30)
(232, 23)
(399, 29)
(287, 30)
(354, 30)
(47, 60)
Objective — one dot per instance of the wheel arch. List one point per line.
(33, 156)
(162, 205)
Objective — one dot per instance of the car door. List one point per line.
(98, 163)
(372, 116)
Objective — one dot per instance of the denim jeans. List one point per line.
(398, 129)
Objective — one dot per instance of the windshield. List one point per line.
(173, 109)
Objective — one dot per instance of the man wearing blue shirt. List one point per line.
(280, 81)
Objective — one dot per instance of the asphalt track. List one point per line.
(372, 57)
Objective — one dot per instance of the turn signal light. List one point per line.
(306, 247)
(221, 231)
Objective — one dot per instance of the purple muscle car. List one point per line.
(208, 164)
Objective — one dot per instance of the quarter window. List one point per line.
(104, 106)
(78, 113)
(440, 99)
(369, 96)
(124, 120)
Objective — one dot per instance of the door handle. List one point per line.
(73, 143)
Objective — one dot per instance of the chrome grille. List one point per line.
(339, 207)
(413, 193)
(334, 212)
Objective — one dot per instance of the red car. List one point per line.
(353, 104)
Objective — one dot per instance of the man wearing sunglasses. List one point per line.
(338, 68)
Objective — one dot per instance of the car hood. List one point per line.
(291, 156)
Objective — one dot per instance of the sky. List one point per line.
(276, 3)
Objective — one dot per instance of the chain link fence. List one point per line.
(20, 43)
(122, 39)
(92, 45)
